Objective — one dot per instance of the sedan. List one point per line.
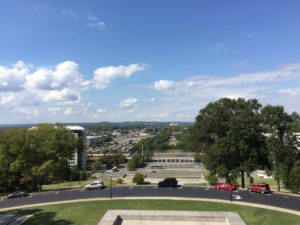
(18, 194)
(225, 186)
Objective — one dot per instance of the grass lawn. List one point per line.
(74, 184)
(90, 213)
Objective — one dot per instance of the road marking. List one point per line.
(207, 189)
(237, 197)
(143, 187)
(286, 196)
(56, 193)
(155, 187)
(236, 191)
(180, 187)
(131, 187)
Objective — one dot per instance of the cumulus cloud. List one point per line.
(104, 75)
(163, 85)
(12, 78)
(64, 95)
(128, 102)
(64, 74)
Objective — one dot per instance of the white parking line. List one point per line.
(155, 187)
(180, 187)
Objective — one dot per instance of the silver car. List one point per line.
(96, 185)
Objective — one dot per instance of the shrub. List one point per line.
(211, 179)
(138, 178)
(120, 181)
(83, 176)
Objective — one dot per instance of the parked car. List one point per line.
(225, 186)
(96, 185)
(168, 182)
(18, 194)
(259, 187)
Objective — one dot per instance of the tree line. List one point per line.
(238, 136)
(30, 158)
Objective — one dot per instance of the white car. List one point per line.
(96, 185)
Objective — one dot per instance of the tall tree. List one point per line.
(278, 125)
(231, 132)
(28, 158)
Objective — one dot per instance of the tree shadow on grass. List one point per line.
(42, 217)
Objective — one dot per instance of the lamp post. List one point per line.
(111, 186)
(231, 199)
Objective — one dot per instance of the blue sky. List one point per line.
(90, 61)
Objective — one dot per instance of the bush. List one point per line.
(211, 179)
(83, 176)
(120, 181)
(138, 178)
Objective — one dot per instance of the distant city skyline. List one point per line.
(74, 61)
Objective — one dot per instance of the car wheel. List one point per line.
(99, 188)
(87, 189)
(218, 188)
(262, 192)
(230, 189)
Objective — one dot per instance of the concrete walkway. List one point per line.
(158, 198)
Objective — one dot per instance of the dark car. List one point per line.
(260, 188)
(168, 182)
(18, 194)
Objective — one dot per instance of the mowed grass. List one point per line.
(90, 213)
(74, 184)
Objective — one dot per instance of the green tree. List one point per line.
(30, 158)
(280, 142)
(138, 178)
(231, 133)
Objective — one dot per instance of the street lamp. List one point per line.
(231, 199)
(111, 186)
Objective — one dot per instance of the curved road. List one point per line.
(277, 200)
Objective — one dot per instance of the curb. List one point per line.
(157, 198)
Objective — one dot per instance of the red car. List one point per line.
(259, 187)
(225, 186)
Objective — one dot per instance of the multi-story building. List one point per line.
(79, 157)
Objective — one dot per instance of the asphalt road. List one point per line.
(282, 201)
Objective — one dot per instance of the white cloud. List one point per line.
(128, 102)
(100, 110)
(7, 99)
(27, 111)
(104, 75)
(65, 74)
(12, 78)
(64, 95)
(163, 85)
(70, 111)
(93, 21)
(290, 91)
(152, 99)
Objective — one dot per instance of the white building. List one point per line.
(79, 157)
